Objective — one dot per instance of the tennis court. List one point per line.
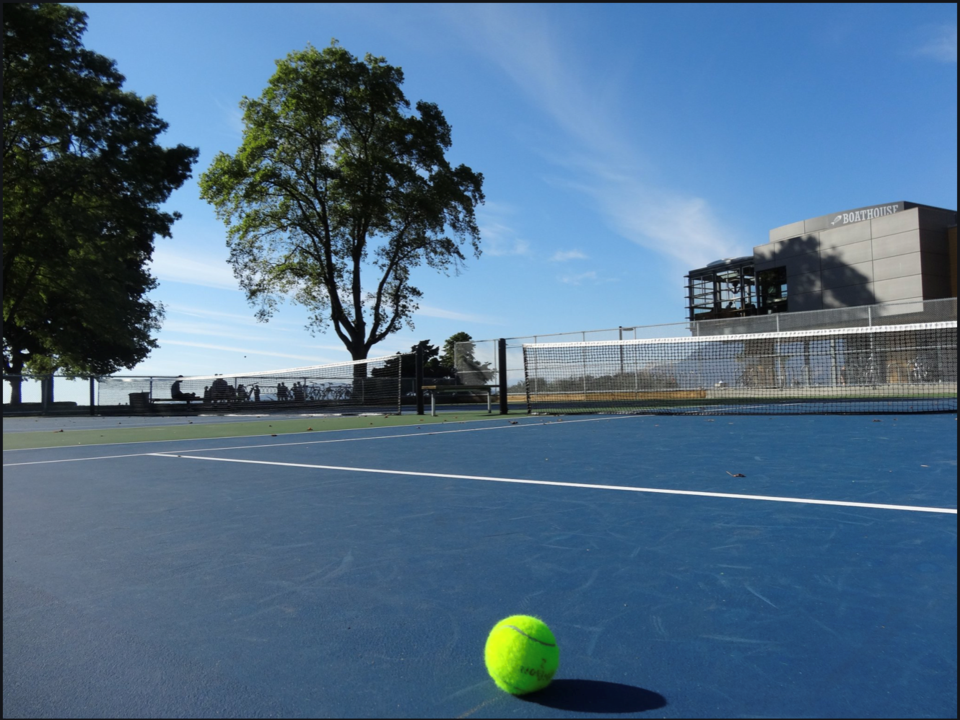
(800, 566)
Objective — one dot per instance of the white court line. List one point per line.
(68, 460)
(310, 442)
(662, 491)
(225, 437)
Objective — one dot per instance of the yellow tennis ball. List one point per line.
(521, 654)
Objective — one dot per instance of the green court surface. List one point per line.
(113, 430)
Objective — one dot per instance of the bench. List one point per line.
(435, 390)
(142, 401)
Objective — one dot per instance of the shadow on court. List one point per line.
(596, 696)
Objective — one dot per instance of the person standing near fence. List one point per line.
(177, 394)
(219, 390)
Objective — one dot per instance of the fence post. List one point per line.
(418, 373)
(502, 363)
(46, 385)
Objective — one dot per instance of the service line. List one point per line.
(624, 488)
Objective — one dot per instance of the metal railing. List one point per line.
(483, 353)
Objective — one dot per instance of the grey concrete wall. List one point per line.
(786, 231)
(892, 224)
(896, 289)
(846, 235)
(800, 302)
(896, 244)
(937, 218)
(897, 257)
(937, 286)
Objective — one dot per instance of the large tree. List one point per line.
(337, 174)
(83, 181)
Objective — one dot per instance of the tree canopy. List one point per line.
(448, 357)
(432, 367)
(83, 181)
(335, 174)
(458, 353)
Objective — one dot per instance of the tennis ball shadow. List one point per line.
(596, 696)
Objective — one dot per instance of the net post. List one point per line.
(526, 380)
(46, 386)
(502, 365)
(93, 395)
(419, 378)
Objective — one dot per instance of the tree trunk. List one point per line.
(15, 378)
(15, 382)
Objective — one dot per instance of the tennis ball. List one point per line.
(521, 654)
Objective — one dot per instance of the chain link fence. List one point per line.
(483, 353)
(477, 361)
(372, 385)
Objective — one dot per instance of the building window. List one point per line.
(772, 286)
(722, 289)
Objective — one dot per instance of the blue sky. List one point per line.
(621, 145)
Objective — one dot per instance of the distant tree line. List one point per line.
(454, 364)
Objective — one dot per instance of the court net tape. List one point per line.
(897, 368)
(373, 384)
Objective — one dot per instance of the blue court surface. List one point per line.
(788, 566)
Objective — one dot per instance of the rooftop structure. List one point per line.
(893, 252)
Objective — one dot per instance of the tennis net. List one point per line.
(372, 384)
(897, 368)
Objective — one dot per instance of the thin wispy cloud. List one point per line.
(207, 271)
(232, 118)
(313, 359)
(565, 255)
(193, 311)
(683, 228)
(461, 317)
(227, 317)
(205, 329)
(500, 239)
(334, 348)
(580, 279)
(591, 277)
(524, 44)
(940, 45)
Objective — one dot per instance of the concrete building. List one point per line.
(894, 252)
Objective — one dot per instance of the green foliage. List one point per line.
(458, 353)
(336, 175)
(432, 366)
(83, 180)
(449, 348)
